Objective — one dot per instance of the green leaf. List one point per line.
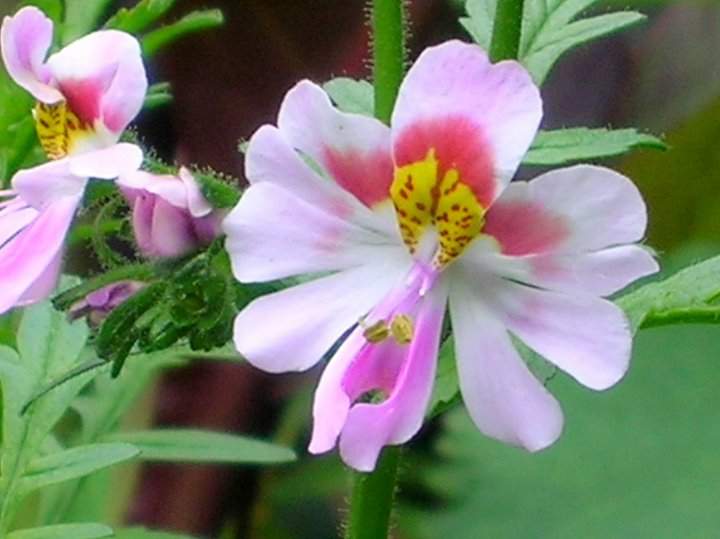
(137, 18)
(142, 533)
(73, 463)
(202, 446)
(549, 29)
(581, 144)
(355, 96)
(446, 393)
(479, 22)
(196, 21)
(218, 190)
(81, 17)
(158, 95)
(690, 296)
(551, 44)
(51, 8)
(64, 531)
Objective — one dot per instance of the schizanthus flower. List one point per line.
(87, 94)
(171, 217)
(411, 218)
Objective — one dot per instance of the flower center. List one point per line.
(58, 128)
(426, 195)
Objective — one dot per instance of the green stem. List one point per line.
(372, 498)
(388, 30)
(507, 26)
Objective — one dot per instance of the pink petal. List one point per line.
(370, 427)
(580, 208)
(102, 77)
(353, 149)
(27, 258)
(585, 336)
(43, 285)
(171, 231)
(25, 39)
(480, 118)
(270, 158)
(143, 208)
(290, 330)
(502, 396)
(40, 186)
(272, 234)
(196, 201)
(14, 219)
(107, 163)
(169, 188)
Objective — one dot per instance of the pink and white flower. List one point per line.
(87, 93)
(398, 223)
(170, 215)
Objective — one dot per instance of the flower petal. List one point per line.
(290, 330)
(370, 427)
(40, 186)
(585, 336)
(196, 201)
(27, 257)
(574, 209)
(272, 234)
(13, 219)
(102, 77)
(171, 230)
(25, 39)
(108, 163)
(43, 285)
(479, 117)
(354, 150)
(502, 396)
(270, 158)
(166, 186)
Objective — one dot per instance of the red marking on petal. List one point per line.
(458, 144)
(84, 97)
(367, 175)
(524, 228)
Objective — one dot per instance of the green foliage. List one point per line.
(350, 95)
(197, 21)
(549, 29)
(581, 144)
(638, 461)
(220, 191)
(187, 445)
(142, 533)
(158, 95)
(64, 531)
(139, 17)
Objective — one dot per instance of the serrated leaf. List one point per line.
(64, 531)
(73, 463)
(550, 46)
(350, 95)
(580, 144)
(196, 21)
(140, 16)
(479, 23)
(188, 445)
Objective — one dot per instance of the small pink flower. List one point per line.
(86, 94)
(171, 217)
(36, 216)
(97, 305)
(403, 221)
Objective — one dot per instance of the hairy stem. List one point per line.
(507, 26)
(388, 33)
(372, 498)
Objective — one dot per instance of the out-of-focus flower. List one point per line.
(409, 217)
(86, 94)
(36, 214)
(170, 215)
(97, 305)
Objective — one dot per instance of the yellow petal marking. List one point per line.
(424, 195)
(58, 128)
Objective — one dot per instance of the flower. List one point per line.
(400, 222)
(36, 214)
(98, 304)
(86, 94)
(171, 217)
